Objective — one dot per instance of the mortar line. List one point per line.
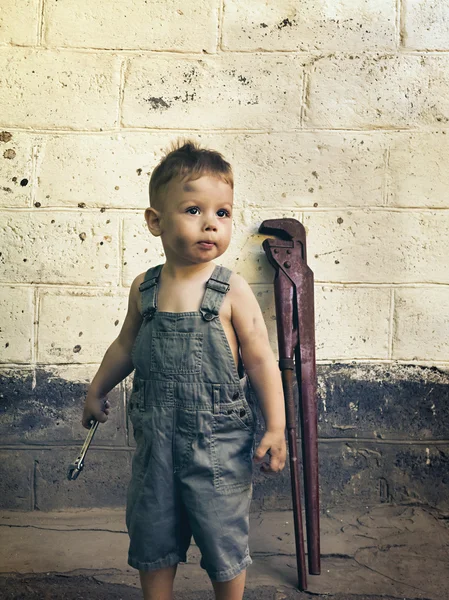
(298, 209)
(35, 504)
(40, 22)
(322, 362)
(123, 72)
(386, 180)
(384, 442)
(137, 210)
(342, 361)
(34, 332)
(106, 131)
(120, 252)
(391, 325)
(69, 287)
(199, 54)
(33, 177)
(400, 24)
(130, 449)
(33, 486)
(304, 97)
(221, 9)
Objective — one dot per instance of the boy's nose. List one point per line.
(210, 225)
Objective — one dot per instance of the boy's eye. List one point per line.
(223, 213)
(193, 210)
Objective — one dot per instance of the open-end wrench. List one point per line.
(76, 467)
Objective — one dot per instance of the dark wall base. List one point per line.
(383, 438)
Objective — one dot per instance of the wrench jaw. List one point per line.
(288, 233)
(74, 470)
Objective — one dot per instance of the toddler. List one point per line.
(192, 330)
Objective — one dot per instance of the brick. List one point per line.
(355, 473)
(378, 91)
(426, 25)
(49, 410)
(180, 26)
(224, 91)
(382, 401)
(46, 247)
(351, 322)
(339, 334)
(16, 169)
(309, 26)
(16, 477)
(16, 332)
(103, 481)
(309, 169)
(66, 333)
(104, 170)
(421, 321)
(51, 89)
(19, 22)
(141, 250)
(378, 246)
(417, 166)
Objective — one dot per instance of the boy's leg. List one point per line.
(158, 585)
(230, 590)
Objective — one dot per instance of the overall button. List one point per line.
(208, 316)
(149, 313)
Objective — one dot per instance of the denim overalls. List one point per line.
(194, 429)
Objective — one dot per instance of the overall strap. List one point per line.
(148, 289)
(216, 289)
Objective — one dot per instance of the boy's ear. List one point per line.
(153, 219)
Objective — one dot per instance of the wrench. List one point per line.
(75, 468)
(294, 299)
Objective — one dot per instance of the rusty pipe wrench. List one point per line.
(76, 467)
(294, 296)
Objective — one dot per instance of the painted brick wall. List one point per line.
(334, 112)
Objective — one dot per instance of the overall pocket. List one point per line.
(232, 451)
(241, 414)
(174, 352)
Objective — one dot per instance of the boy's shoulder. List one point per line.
(239, 290)
(134, 292)
(237, 283)
(137, 281)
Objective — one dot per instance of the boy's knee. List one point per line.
(232, 589)
(158, 584)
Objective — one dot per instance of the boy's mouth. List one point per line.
(206, 245)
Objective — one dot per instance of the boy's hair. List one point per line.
(186, 159)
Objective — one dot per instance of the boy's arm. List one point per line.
(262, 369)
(116, 363)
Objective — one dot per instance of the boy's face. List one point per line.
(195, 221)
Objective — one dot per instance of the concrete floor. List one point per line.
(384, 551)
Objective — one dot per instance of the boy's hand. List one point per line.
(96, 409)
(273, 444)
